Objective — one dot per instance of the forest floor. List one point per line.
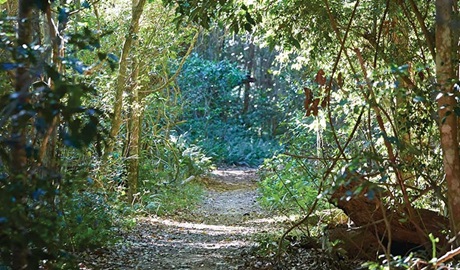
(219, 234)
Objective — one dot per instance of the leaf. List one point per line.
(340, 80)
(85, 4)
(63, 16)
(320, 79)
(88, 133)
(8, 66)
(248, 27)
(457, 111)
(419, 99)
(249, 18)
(75, 97)
(101, 56)
(294, 42)
(113, 57)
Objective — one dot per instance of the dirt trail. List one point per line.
(212, 237)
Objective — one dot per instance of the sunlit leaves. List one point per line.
(237, 15)
(419, 99)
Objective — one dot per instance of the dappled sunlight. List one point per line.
(200, 228)
(214, 235)
(236, 172)
(273, 220)
(204, 245)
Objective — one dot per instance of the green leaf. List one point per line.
(249, 18)
(88, 133)
(248, 27)
(457, 111)
(75, 97)
(419, 99)
(101, 56)
(294, 42)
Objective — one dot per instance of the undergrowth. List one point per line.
(89, 221)
(171, 199)
(288, 186)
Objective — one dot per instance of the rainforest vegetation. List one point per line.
(111, 110)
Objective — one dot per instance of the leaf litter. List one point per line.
(218, 235)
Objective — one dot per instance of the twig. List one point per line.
(449, 255)
(181, 64)
(310, 157)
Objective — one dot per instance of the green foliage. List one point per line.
(212, 111)
(87, 221)
(268, 244)
(170, 198)
(171, 160)
(236, 14)
(165, 171)
(288, 184)
(414, 260)
(34, 123)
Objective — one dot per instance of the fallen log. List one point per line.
(387, 224)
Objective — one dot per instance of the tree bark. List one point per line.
(134, 133)
(445, 74)
(372, 214)
(137, 10)
(249, 68)
(18, 157)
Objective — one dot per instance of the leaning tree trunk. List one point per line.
(385, 223)
(446, 49)
(137, 10)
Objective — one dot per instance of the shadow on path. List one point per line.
(212, 237)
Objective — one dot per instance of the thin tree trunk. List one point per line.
(134, 132)
(18, 157)
(445, 75)
(48, 146)
(137, 10)
(249, 68)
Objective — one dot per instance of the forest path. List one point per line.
(213, 236)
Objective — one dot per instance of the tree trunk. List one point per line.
(47, 152)
(18, 157)
(445, 74)
(137, 10)
(249, 68)
(134, 133)
(391, 225)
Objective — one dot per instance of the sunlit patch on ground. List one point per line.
(273, 220)
(203, 228)
(211, 237)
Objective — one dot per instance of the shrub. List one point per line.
(88, 220)
(288, 185)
